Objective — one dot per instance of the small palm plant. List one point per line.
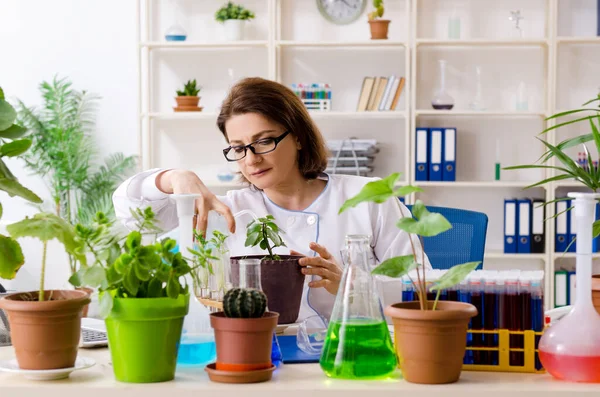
(190, 88)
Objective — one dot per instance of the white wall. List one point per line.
(93, 42)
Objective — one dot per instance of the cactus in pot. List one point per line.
(244, 303)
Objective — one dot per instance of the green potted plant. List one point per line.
(379, 27)
(143, 297)
(284, 298)
(212, 258)
(430, 336)
(243, 337)
(45, 325)
(187, 99)
(233, 17)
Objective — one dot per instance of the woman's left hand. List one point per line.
(323, 265)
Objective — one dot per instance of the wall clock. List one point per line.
(341, 12)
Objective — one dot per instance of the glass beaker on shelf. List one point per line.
(442, 100)
(454, 25)
(478, 103)
(175, 32)
(358, 343)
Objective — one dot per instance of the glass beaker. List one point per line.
(478, 103)
(570, 348)
(442, 100)
(250, 278)
(358, 343)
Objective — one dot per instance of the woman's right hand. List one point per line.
(178, 181)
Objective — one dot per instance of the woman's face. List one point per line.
(263, 170)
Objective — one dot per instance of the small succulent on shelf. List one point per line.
(260, 231)
(423, 224)
(378, 11)
(190, 88)
(233, 11)
(244, 303)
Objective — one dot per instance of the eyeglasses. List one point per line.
(261, 146)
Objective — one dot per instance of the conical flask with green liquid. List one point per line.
(358, 343)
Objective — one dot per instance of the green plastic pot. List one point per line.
(143, 337)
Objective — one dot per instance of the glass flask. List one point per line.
(478, 103)
(442, 100)
(175, 33)
(358, 343)
(250, 278)
(570, 348)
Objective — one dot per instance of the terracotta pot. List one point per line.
(379, 29)
(89, 291)
(596, 292)
(243, 344)
(45, 334)
(431, 344)
(282, 281)
(187, 101)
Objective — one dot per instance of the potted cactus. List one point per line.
(233, 17)
(285, 297)
(379, 27)
(243, 336)
(187, 99)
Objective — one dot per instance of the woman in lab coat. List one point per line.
(282, 156)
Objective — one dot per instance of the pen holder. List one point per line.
(502, 357)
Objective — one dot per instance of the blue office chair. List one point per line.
(465, 242)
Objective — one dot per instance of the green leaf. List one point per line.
(7, 115)
(75, 279)
(569, 163)
(252, 239)
(11, 257)
(15, 148)
(596, 135)
(274, 237)
(1, 93)
(15, 131)
(397, 266)
(155, 288)
(263, 244)
(429, 224)
(596, 229)
(134, 240)
(375, 191)
(173, 287)
(94, 276)
(106, 304)
(548, 180)
(141, 271)
(406, 190)
(14, 188)
(454, 275)
(131, 283)
(45, 227)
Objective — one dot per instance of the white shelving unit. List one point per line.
(290, 42)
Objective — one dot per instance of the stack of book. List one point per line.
(351, 156)
(380, 93)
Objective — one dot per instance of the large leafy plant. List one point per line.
(63, 153)
(567, 168)
(125, 267)
(12, 145)
(262, 230)
(233, 11)
(422, 224)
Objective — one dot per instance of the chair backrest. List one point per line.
(465, 242)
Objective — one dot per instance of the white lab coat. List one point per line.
(319, 222)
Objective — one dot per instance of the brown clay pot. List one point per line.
(45, 334)
(187, 101)
(89, 291)
(379, 29)
(431, 344)
(596, 292)
(243, 344)
(282, 281)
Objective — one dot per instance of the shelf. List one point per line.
(502, 255)
(181, 115)
(483, 42)
(478, 113)
(375, 44)
(475, 184)
(571, 255)
(199, 45)
(358, 115)
(579, 40)
(571, 184)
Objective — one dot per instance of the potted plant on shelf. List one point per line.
(284, 298)
(243, 336)
(233, 17)
(187, 99)
(142, 298)
(379, 27)
(576, 333)
(430, 336)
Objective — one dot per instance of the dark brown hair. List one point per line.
(279, 104)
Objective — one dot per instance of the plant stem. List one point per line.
(264, 233)
(437, 298)
(424, 271)
(412, 245)
(41, 293)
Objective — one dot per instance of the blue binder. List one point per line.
(449, 158)
(524, 226)
(571, 239)
(436, 144)
(510, 226)
(596, 240)
(562, 226)
(421, 154)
